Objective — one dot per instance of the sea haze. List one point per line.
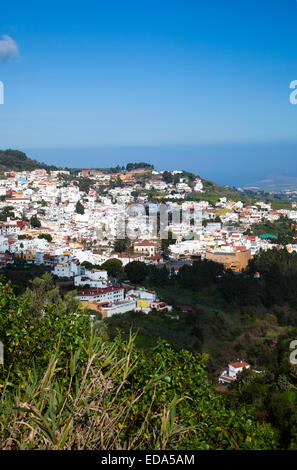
(234, 164)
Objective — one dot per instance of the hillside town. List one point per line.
(148, 231)
(49, 218)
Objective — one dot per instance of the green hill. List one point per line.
(14, 160)
(65, 385)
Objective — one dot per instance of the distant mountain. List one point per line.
(14, 160)
(275, 182)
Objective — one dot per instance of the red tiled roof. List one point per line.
(98, 291)
(145, 243)
(237, 365)
(225, 377)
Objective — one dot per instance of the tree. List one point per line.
(79, 208)
(122, 245)
(35, 222)
(283, 415)
(84, 184)
(158, 276)
(165, 251)
(35, 323)
(135, 166)
(7, 211)
(167, 177)
(46, 236)
(113, 266)
(136, 271)
(202, 273)
(87, 265)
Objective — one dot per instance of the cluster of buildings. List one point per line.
(40, 224)
(222, 237)
(113, 300)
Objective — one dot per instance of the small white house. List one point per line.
(198, 188)
(141, 294)
(230, 375)
(63, 270)
(93, 278)
(146, 247)
(119, 307)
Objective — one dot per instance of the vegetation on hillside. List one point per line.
(283, 228)
(232, 316)
(14, 160)
(140, 165)
(66, 385)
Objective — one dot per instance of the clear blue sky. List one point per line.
(149, 73)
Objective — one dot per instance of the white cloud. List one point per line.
(8, 48)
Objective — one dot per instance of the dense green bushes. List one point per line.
(273, 393)
(276, 286)
(65, 385)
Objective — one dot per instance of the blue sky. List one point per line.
(152, 75)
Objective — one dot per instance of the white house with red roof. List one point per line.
(106, 294)
(146, 247)
(230, 375)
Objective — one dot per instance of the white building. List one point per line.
(67, 269)
(92, 278)
(198, 188)
(119, 307)
(106, 294)
(146, 247)
(230, 375)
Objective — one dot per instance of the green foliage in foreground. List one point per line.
(66, 386)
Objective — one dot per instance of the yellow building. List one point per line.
(143, 303)
(26, 256)
(237, 261)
